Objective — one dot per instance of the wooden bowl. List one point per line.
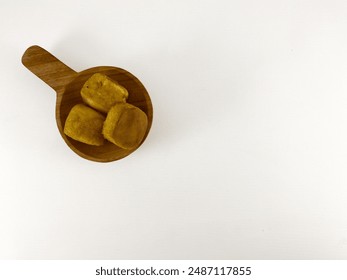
(67, 83)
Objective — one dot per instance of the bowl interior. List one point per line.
(138, 96)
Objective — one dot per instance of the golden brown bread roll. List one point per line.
(101, 93)
(125, 125)
(85, 125)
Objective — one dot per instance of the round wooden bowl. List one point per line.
(67, 83)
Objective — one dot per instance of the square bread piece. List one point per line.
(125, 125)
(85, 125)
(101, 93)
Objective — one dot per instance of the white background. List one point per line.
(247, 156)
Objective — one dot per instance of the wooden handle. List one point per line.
(48, 68)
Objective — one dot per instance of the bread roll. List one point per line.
(125, 125)
(101, 93)
(85, 125)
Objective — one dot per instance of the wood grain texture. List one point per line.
(67, 83)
